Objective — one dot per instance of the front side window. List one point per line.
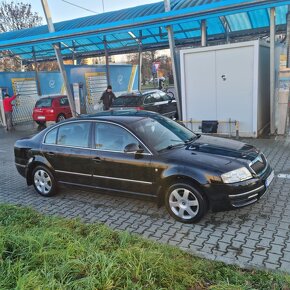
(157, 97)
(74, 134)
(110, 137)
(164, 96)
(149, 99)
(63, 102)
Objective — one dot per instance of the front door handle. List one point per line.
(97, 159)
(50, 153)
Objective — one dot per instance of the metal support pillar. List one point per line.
(74, 53)
(59, 58)
(226, 28)
(272, 70)
(140, 62)
(36, 73)
(173, 59)
(107, 61)
(203, 33)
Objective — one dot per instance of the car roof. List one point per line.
(122, 116)
(52, 97)
(139, 94)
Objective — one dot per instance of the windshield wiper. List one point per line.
(191, 139)
(169, 147)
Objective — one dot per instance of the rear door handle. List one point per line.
(50, 153)
(97, 159)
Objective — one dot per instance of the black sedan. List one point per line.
(154, 101)
(145, 154)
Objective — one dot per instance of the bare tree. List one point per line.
(17, 15)
(148, 58)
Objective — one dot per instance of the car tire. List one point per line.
(43, 181)
(60, 117)
(185, 203)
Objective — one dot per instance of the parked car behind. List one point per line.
(145, 154)
(53, 108)
(155, 101)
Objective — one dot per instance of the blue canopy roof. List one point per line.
(123, 29)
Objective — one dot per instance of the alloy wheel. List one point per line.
(42, 181)
(183, 203)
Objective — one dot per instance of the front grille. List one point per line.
(259, 164)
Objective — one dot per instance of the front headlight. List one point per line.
(236, 175)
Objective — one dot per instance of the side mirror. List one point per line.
(133, 148)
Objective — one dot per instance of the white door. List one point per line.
(199, 103)
(235, 79)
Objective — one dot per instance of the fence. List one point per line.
(232, 130)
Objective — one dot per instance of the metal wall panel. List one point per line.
(227, 82)
(24, 104)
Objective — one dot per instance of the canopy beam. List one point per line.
(57, 51)
(173, 60)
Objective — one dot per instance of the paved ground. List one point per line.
(254, 236)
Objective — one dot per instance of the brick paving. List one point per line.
(256, 236)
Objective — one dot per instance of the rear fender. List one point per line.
(32, 163)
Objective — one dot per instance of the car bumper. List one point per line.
(22, 169)
(231, 196)
(44, 118)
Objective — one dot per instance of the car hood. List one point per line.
(213, 152)
(224, 147)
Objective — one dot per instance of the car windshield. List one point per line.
(163, 133)
(42, 103)
(127, 101)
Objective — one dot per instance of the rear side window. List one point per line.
(74, 134)
(51, 137)
(127, 101)
(43, 103)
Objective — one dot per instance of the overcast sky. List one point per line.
(60, 10)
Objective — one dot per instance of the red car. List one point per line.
(53, 108)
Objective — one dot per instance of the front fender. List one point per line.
(187, 172)
(179, 173)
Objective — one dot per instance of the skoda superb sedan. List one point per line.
(145, 154)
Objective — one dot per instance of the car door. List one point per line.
(67, 148)
(116, 170)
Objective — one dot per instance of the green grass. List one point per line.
(38, 252)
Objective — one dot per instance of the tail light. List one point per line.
(140, 108)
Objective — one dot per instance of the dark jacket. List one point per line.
(107, 99)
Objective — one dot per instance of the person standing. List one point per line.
(107, 98)
(8, 109)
